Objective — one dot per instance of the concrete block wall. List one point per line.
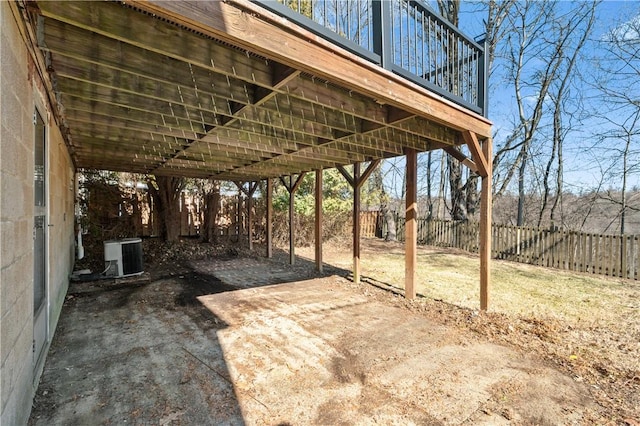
(19, 94)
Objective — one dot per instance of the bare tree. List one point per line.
(618, 73)
(464, 193)
(450, 9)
(545, 30)
(429, 185)
(495, 27)
(559, 94)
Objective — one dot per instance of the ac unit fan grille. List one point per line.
(132, 258)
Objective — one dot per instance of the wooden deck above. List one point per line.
(230, 91)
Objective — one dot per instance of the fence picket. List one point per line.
(610, 255)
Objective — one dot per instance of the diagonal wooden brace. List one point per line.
(478, 156)
(455, 153)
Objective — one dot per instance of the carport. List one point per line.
(248, 91)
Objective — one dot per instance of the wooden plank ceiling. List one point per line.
(145, 93)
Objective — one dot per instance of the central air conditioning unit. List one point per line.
(123, 258)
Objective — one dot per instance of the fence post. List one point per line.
(583, 252)
(635, 252)
(623, 256)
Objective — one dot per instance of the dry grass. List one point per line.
(587, 325)
(452, 276)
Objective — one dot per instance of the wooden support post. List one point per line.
(356, 224)
(250, 219)
(249, 193)
(411, 224)
(239, 227)
(318, 221)
(356, 182)
(485, 227)
(292, 225)
(269, 218)
(292, 187)
(252, 190)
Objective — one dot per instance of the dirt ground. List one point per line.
(219, 337)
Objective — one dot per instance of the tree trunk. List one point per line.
(136, 216)
(625, 172)
(441, 190)
(450, 9)
(429, 189)
(211, 210)
(521, 190)
(472, 194)
(165, 191)
(387, 215)
(390, 219)
(457, 192)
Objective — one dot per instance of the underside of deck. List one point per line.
(238, 91)
(228, 90)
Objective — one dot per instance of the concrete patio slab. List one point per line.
(189, 348)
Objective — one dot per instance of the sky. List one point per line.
(581, 171)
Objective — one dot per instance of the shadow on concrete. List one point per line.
(140, 350)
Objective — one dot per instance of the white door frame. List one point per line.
(41, 332)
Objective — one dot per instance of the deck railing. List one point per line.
(403, 36)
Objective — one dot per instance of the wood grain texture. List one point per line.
(411, 226)
(230, 91)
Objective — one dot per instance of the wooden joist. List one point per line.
(257, 30)
(206, 89)
(147, 82)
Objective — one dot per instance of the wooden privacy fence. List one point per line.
(230, 219)
(370, 224)
(610, 255)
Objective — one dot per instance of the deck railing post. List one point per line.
(483, 79)
(382, 32)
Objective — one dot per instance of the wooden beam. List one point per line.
(318, 220)
(411, 225)
(356, 223)
(269, 218)
(485, 227)
(372, 165)
(281, 75)
(347, 176)
(477, 153)
(455, 153)
(292, 186)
